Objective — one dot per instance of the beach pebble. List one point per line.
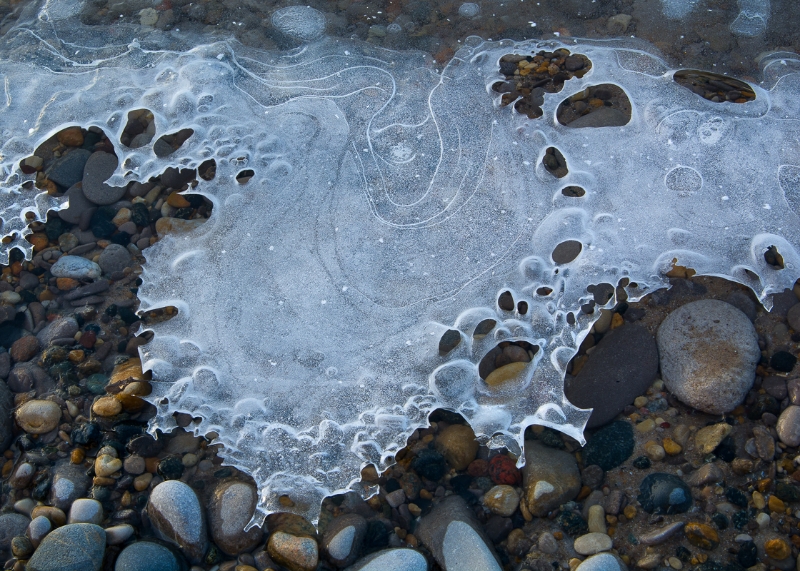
(67, 170)
(147, 556)
(38, 416)
(85, 510)
(343, 539)
(114, 258)
(601, 562)
(70, 482)
(78, 204)
(73, 547)
(664, 494)
(501, 500)
(709, 352)
(551, 478)
(117, 534)
(76, 267)
(231, 507)
(392, 560)
(178, 518)
(620, 368)
(788, 426)
(455, 538)
(592, 543)
(25, 348)
(296, 553)
(38, 529)
(11, 525)
(458, 445)
(98, 168)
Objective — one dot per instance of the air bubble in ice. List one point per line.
(469, 10)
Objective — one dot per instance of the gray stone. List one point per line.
(28, 280)
(776, 387)
(58, 329)
(744, 303)
(76, 268)
(118, 534)
(73, 547)
(547, 543)
(68, 169)
(707, 474)
(174, 178)
(602, 117)
(620, 368)
(5, 364)
(793, 317)
(6, 419)
(550, 478)
(709, 352)
(455, 539)
(114, 258)
(38, 529)
(78, 204)
(792, 388)
(11, 525)
(602, 562)
(592, 543)
(98, 168)
(25, 377)
(788, 427)
(232, 505)
(146, 556)
(70, 482)
(661, 535)
(86, 510)
(177, 517)
(343, 538)
(392, 560)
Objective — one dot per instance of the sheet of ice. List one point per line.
(390, 204)
(752, 18)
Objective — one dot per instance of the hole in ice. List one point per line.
(168, 144)
(774, 258)
(506, 360)
(573, 191)
(506, 301)
(159, 315)
(483, 328)
(604, 105)
(601, 293)
(566, 251)
(207, 169)
(522, 307)
(555, 163)
(678, 271)
(139, 130)
(449, 341)
(544, 291)
(245, 176)
(528, 78)
(714, 87)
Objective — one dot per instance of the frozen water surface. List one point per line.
(390, 204)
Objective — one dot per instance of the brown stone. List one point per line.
(294, 553)
(67, 284)
(107, 406)
(24, 348)
(701, 535)
(70, 137)
(777, 549)
(458, 445)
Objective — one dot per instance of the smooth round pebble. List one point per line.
(601, 562)
(146, 556)
(788, 426)
(73, 547)
(592, 543)
(38, 416)
(86, 510)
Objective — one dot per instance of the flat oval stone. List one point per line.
(146, 556)
(73, 547)
(98, 168)
(592, 543)
(178, 517)
(400, 559)
(232, 505)
(343, 538)
(38, 416)
(293, 552)
(601, 562)
(788, 426)
(76, 268)
(709, 352)
(86, 510)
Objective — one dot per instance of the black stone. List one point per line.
(55, 227)
(741, 518)
(392, 485)
(683, 554)
(376, 536)
(661, 493)
(787, 492)
(461, 483)
(551, 438)
(720, 520)
(121, 238)
(127, 431)
(508, 68)
(140, 215)
(101, 224)
(764, 403)
(498, 528)
(86, 434)
(748, 554)
(610, 447)
(783, 361)
(41, 486)
(736, 497)
(170, 468)
(64, 373)
(430, 464)
(642, 462)
(127, 315)
(726, 450)
(223, 473)
(572, 523)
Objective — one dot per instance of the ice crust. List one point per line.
(391, 203)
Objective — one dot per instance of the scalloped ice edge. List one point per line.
(195, 371)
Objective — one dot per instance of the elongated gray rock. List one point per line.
(178, 517)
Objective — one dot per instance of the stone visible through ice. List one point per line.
(299, 22)
(752, 18)
(390, 205)
(469, 10)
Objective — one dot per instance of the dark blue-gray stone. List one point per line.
(147, 556)
(68, 169)
(610, 446)
(73, 547)
(664, 494)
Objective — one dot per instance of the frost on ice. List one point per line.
(354, 283)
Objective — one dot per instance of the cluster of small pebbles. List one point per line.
(691, 458)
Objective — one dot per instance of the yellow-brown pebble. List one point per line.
(141, 481)
(630, 512)
(702, 535)
(758, 501)
(671, 447)
(646, 425)
(105, 465)
(77, 456)
(777, 549)
(107, 406)
(76, 356)
(55, 515)
(776, 504)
